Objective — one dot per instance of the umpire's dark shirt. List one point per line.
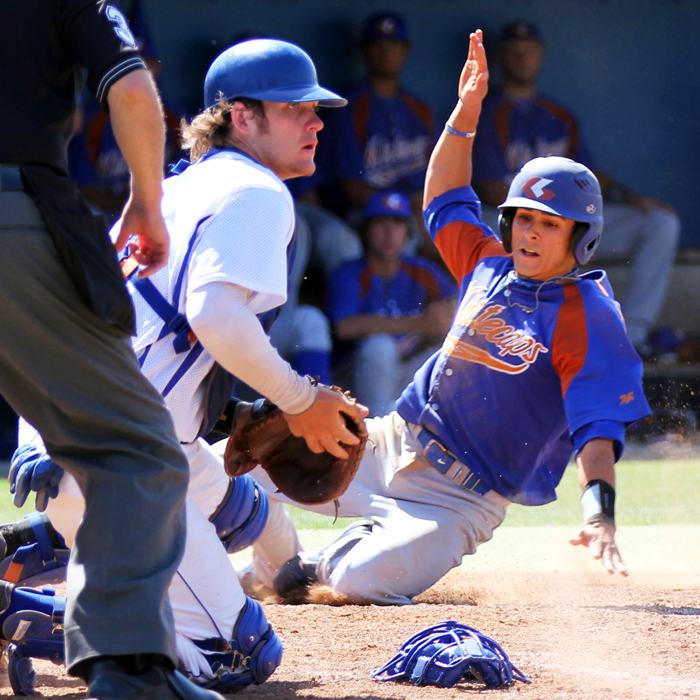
(43, 45)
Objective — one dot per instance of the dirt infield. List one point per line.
(575, 631)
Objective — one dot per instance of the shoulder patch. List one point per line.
(122, 27)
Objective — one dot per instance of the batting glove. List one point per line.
(31, 469)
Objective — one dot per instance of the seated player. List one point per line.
(382, 141)
(230, 219)
(536, 366)
(392, 308)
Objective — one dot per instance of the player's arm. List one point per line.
(233, 336)
(596, 473)
(451, 209)
(102, 42)
(137, 122)
(450, 164)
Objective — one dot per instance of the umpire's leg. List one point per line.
(77, 381)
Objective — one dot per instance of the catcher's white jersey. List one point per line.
(230, 220)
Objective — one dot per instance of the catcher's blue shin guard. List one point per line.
(449, 652)
(250, 657)
(242, 514)
(296, 575)
(37, 563)
(32, 633)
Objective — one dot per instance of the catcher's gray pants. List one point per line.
(77, 381)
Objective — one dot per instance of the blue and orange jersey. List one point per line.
(529, 370)
(355, 289)
(386, 142)
(512, 132)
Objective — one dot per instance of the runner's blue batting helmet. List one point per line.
(266, 69)
(562, 187)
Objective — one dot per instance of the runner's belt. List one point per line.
(448, 464)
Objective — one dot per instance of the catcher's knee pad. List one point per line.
(250, 657)
(37, 563)
(33, 634)
(242, 515)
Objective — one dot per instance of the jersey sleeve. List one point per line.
(343, 293)
(454, 222)
(607, 429)
(102, 43)
(600, 372)
(245, 243)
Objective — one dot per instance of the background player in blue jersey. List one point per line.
(536, 367)
(383, 139)
(393, 309)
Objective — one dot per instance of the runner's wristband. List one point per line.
(453, 132)
(598, 502)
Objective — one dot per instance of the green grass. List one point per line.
(649, 492)
(664, 492)
(8, 512)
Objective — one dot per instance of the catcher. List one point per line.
(536, 366)
(199, 326)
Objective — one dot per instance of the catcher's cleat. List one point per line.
(299, 573)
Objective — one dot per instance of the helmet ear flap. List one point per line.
(505, 228)
(582, 253)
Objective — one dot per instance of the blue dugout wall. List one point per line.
(630, 69)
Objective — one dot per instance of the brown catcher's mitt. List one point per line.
(296, 471)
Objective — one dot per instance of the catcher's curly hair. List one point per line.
(212, 127)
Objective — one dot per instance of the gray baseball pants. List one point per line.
(76, 379)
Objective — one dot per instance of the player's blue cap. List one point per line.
(266, 69)
(387, 204)
(520, 30)
(385, 25)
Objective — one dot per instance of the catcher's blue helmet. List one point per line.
(562, 187)
(266, 69)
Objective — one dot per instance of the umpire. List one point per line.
(66, 363)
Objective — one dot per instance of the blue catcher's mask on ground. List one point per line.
(447, 653)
